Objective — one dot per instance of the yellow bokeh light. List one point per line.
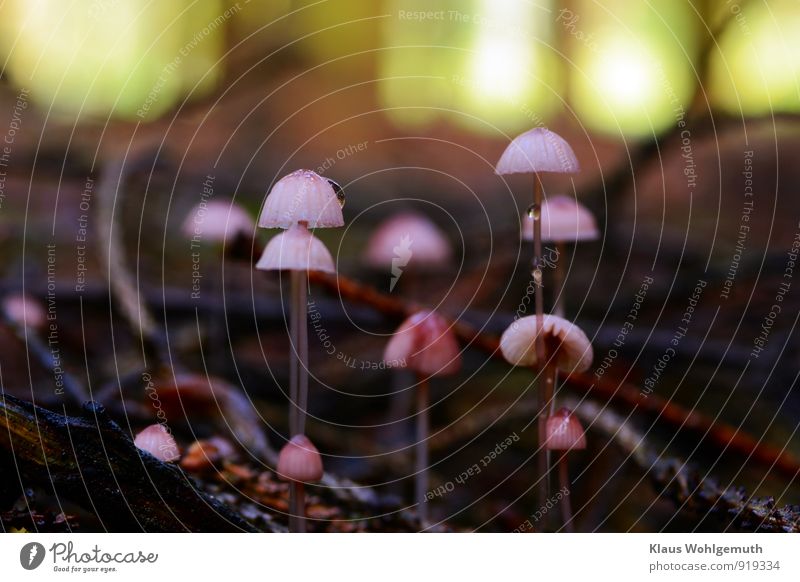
(635, 77)
(125, 57)
(499, 68)
(510, 78)
(626, 77)
(757, 68)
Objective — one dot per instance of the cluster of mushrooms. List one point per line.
(424, 343)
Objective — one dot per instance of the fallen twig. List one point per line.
(686, 486)
(722, 435)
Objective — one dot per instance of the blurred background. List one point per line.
(684, 116)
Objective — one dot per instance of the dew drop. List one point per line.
(338, 191)
(534, 211)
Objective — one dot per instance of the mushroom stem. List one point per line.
(559, 304)
(302, 370)
(298, 364)
(559, 277)
(421, 447)
(294, 351)
(546, 398)
(541, 352)
(297, 507)
(566, 506)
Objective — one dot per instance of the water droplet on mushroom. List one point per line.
(534, 211)
(338, 191)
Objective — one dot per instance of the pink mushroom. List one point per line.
(408, 241)
(303, 196)
(299, 463)
(297, 202)
(23, 310)
(157, 440)
(426, 344)
(217, 221)
(565, 433)
(564, 220)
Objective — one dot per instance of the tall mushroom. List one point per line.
(536, 151)
(299, 201)
(569, 350)
(565, 433)
(298, 251)
(564, 220)
(299, 463)
(426, 344)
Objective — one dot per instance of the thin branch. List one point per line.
(723, 436)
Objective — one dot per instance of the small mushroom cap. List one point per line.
(302, 196)
(564, 432)
(296, 249)
(573, 350)
(24, 310)
(217, 221)
(300, 460)
(564, 219)
(426, 344)
(410, 238)
(157, 440)
(538, 150)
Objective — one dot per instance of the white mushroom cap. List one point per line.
(217, 221)
(425, 343)
(299, 460)
(302, 196)
(564, 432)
(538, 150)
(564, 219)
(296, 249)
(409, 237)
(573, 350)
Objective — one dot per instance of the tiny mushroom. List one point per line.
(408, 240)
(303, 196)
(297, 202)
(24, 311)
(299, 463)
(572, 349)
(296, 249)
(426, 344)
(217, 222)
(538, 150)
(564, 220)
(565, 433)
(157, 440)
